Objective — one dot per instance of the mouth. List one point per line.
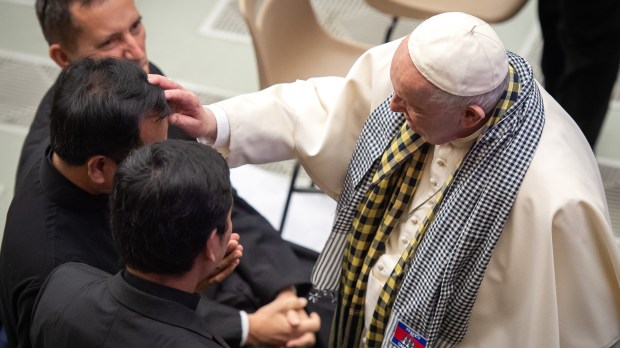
(409, 121)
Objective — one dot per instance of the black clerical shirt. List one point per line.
(185, 298)
(50, 222)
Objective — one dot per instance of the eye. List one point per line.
(136, 28)
(109, 43)
(106, 43)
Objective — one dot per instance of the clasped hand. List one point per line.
(283, 323)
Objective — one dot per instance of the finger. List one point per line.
(187, 124)
(232, 245)
(287, 292)
(293, 317)
(311, 324)
(302, 314)
(306, 340)
(155, 79)
(282, 304)
(218, 277)
(226, 271)
(183, 101)
(163, 82)
(230, 257)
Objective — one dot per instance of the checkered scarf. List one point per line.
(387, 199)
(436, 300)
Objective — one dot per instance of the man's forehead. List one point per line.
(402, 68)
(104, 17)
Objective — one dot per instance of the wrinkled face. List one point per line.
(153, 130)
(111, 28)
(412, 92)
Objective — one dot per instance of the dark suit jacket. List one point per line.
(269, 263)
(81, 306)
(50, 222)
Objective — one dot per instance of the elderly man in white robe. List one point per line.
(471, 211)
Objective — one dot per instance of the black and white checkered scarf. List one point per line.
(437, 295)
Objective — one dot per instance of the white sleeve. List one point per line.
(317, 121)
(223, 128)
(245, 327)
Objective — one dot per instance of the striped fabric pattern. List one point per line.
(371, 204)
(441, 284)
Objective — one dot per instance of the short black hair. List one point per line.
(98, 107)
(56, 21)
(167, 199)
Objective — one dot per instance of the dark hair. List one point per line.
(56, 21)
(98, 107)
(167, 199)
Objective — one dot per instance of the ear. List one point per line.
(59, 55)
(212, 246)
(473, 116)
(101, 171)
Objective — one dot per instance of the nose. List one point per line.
(396, 103)
(132, 50)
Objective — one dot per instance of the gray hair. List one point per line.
(486, 101)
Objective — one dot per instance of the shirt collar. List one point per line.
(185, 298)
(65, 193)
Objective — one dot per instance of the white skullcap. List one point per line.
(459, 53)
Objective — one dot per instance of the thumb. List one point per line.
(288, 303)
(293, 317)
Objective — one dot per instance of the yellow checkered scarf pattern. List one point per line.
(391, 191)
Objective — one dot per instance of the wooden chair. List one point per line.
(290, 44)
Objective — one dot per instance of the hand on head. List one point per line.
(189, 114)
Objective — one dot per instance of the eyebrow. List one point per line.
(116, 34)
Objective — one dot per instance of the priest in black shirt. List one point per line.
(171, 221)
(247, 302)
(102, 110)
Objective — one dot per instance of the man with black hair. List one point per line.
(101, 111)
(170, 211)
(271, 271)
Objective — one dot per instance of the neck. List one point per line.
(76, 174)
(186, 282)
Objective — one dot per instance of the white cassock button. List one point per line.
(414, 220)
(433, 182)
(380, 267)
(404, 241)
(440, 162)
